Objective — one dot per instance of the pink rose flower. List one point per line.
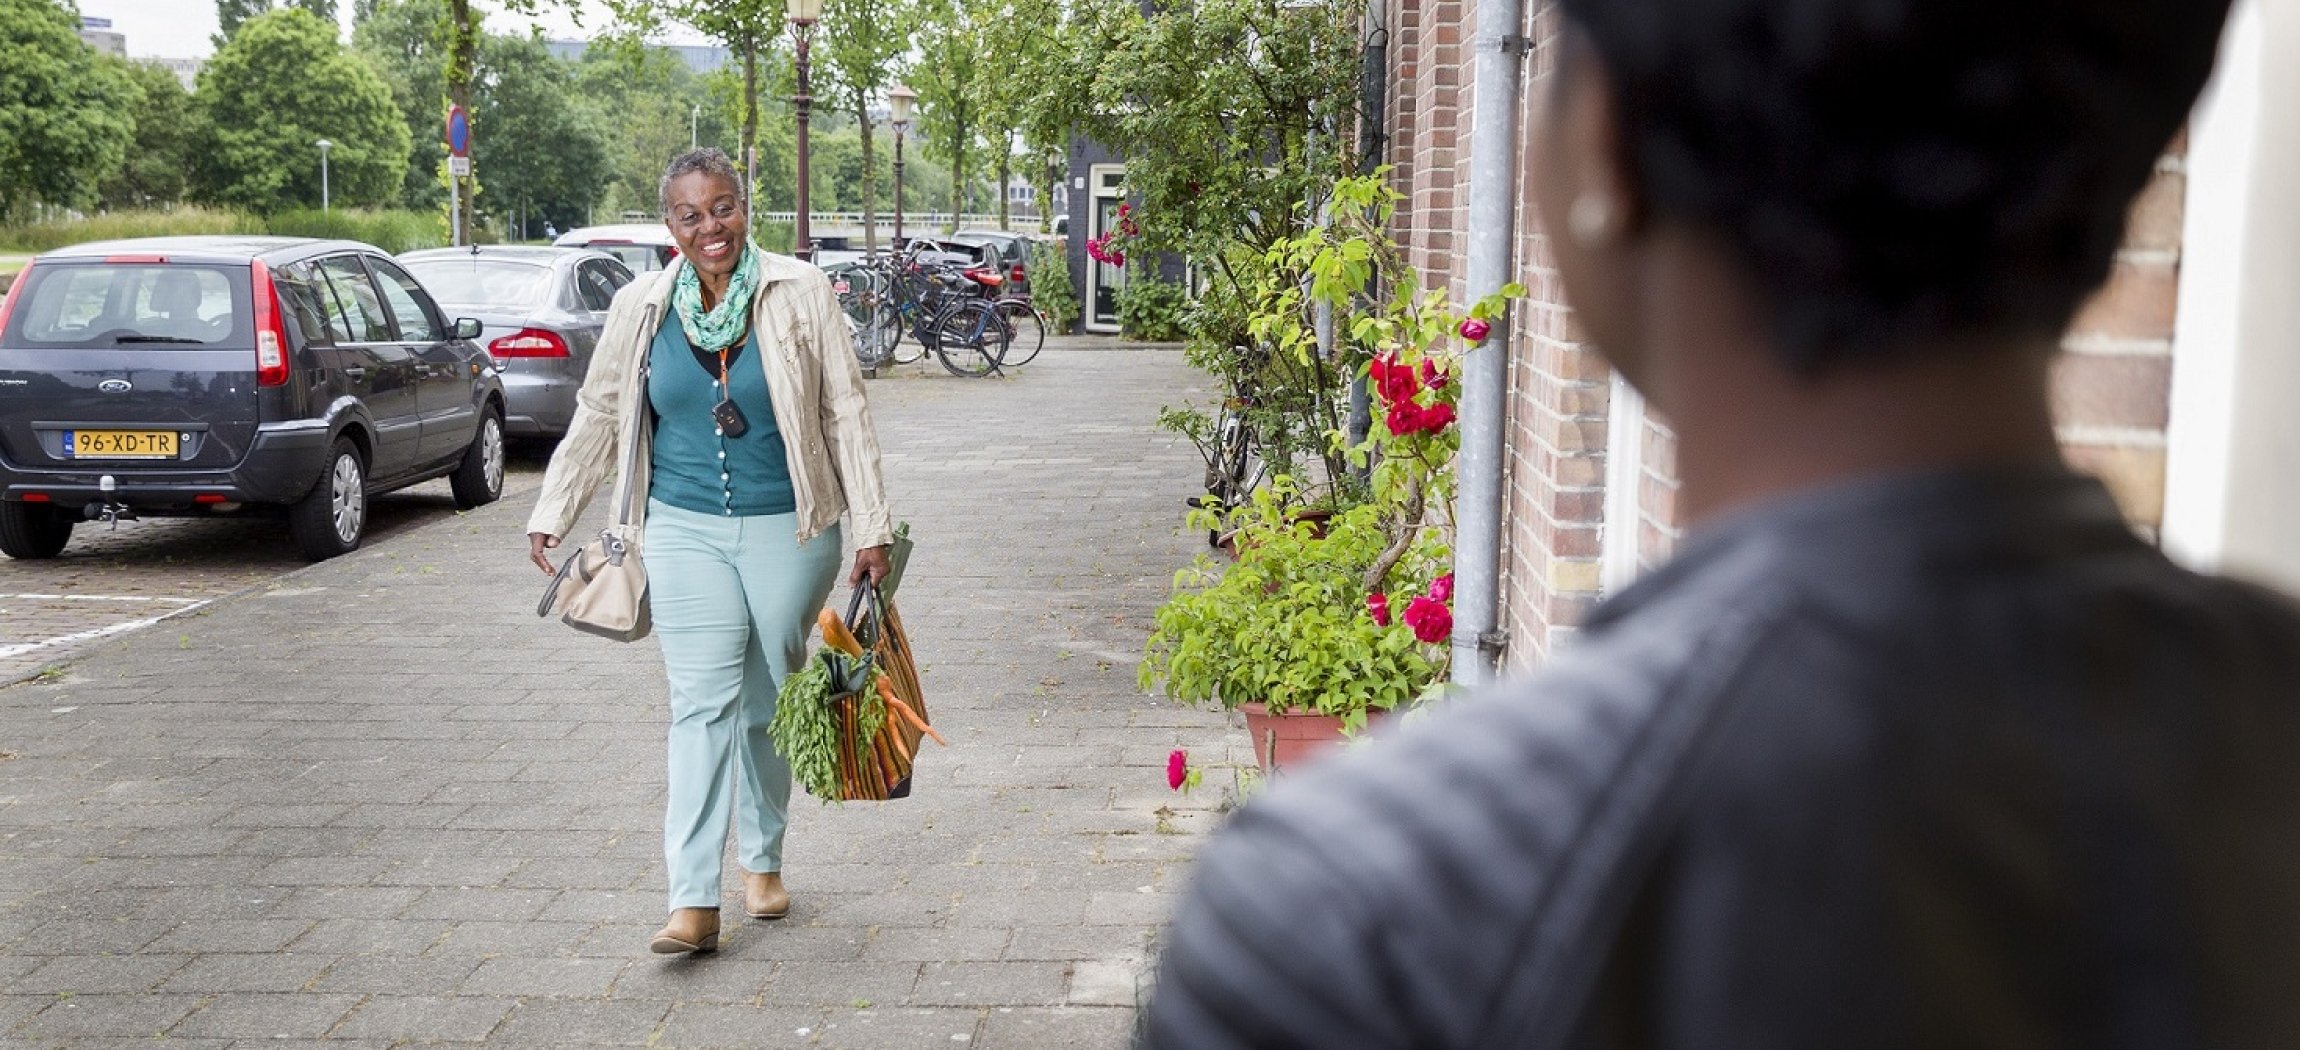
(1432, 376)
(1441, 589)
(1475, 330)
(1177, 768)
(1378, 606)
(1430, 619)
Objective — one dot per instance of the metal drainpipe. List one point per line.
(1500, 50)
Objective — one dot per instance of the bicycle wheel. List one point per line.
(971, 338)
(1029, 331)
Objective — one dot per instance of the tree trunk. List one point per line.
(869, 173)
(462, 66)
(1005, 180)
(751, 120)
(958, 138)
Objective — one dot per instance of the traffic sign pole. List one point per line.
(458, 169)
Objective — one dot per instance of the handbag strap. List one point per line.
(627, 471)
(866, 628)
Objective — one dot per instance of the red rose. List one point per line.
(1177, 768)
(1437, 417)
(1432, 377)
(1404, 418)
(1430, 619)
(1378, 606)
(1475, 330)
(1394, 381)
(1441, 589)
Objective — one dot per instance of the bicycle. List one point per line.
(1029, 329)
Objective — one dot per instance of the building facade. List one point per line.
(2174, 385)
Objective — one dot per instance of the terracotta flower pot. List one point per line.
(1285, 740)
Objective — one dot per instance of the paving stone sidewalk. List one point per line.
(380, 803)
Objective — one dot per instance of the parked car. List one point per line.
(642, 246)
(540, 311)
(197, 376)
(1012, 255)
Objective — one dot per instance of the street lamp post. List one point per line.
(324, 145)
(899, 102)
(803, 14)
(694, 123)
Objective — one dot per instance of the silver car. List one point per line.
(540, 310)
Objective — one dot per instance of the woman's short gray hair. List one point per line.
(709, 160)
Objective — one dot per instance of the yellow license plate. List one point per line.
(120, 444)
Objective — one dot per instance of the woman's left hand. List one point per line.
(871, 562)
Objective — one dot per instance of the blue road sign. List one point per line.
(458, 132)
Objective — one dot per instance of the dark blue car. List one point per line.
(182, 376)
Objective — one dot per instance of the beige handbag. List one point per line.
(602, 587)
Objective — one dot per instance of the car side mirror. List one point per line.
(467, 328)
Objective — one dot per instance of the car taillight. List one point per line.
(529, 342)
(271, 328)
(15, 292)
(1015, 274)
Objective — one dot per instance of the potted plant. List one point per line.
(1320, 626)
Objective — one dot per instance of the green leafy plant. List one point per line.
(1150, 309)
(1050, 285)
(1351, 614)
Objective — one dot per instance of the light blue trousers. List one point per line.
(733, 601)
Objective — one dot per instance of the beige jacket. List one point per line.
(812, 375)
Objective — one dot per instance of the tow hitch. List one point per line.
(109, 510)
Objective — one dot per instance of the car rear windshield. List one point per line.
(639, 258)
(139, 305)
(482, 282)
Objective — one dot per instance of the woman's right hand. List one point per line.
(537, 544)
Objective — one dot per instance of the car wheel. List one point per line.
(33, 531)
(479, 480)
(332, 518)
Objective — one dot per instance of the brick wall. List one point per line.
(2112, 386)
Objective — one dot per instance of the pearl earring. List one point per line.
(1591, 219)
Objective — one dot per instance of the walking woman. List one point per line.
(758, 440)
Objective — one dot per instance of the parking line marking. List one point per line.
(7, 651)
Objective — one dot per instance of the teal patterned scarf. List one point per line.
(720, 326)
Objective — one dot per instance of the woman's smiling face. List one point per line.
(708, 221)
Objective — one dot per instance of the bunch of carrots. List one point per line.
(855, 747)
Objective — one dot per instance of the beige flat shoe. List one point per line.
(764, 896)
(690, 930)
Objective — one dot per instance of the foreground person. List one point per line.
(1915, 744)
(741, 528)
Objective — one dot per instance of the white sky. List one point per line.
(184, 28)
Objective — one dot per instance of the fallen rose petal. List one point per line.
(1177, 768)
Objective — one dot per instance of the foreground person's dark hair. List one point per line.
(1898, 172)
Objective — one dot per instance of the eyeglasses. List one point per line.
(724, 211)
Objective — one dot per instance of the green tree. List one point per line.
(749, 28)
(1235, 118)
(649, 106)
(165, 149)
(406, 41)
(949, 85)
(863, 42)
(65, 121)
(281, 84)
(231, 14)
(541, 157)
